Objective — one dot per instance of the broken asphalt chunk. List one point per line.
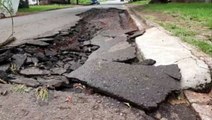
(132, 37)
(148, 62)
(172, 71)
(37, 43)
(3, 75)
(18, 60)
(46, 39)
(112, 49)
(5, 56)
(4, 67)
(30, 82)
(144, 86)
(33, 71)
(58, 71)
(53, 82)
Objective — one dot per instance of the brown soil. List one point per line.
(63, 106)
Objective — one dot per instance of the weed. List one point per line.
(21, 88)
(42, 93)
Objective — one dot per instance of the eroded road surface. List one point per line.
(90, 71)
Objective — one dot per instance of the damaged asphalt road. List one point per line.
(98, 52)
(145, 86)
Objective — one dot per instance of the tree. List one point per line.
(24, 4)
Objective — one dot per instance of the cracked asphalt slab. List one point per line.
(145, 86)
(113, 49)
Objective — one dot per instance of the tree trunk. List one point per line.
(24, 4)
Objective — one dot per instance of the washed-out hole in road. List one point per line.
(49, 61)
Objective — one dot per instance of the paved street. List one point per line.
(30, 26)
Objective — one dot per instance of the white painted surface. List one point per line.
(157, 44)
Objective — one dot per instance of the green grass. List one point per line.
(200, 12)
(41, 8)
(187, 19)
(188, 36)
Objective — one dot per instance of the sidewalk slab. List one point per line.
(157, 44)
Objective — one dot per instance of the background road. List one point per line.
(43, 23)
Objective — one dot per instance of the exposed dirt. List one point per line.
(64, 106)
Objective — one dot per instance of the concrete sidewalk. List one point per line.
(158, 44)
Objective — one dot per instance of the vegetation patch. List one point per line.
(42, 93)
(192, 22)
(20, 88)
(188, 36)
(41, 8)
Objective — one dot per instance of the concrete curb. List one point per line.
(160, 45)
